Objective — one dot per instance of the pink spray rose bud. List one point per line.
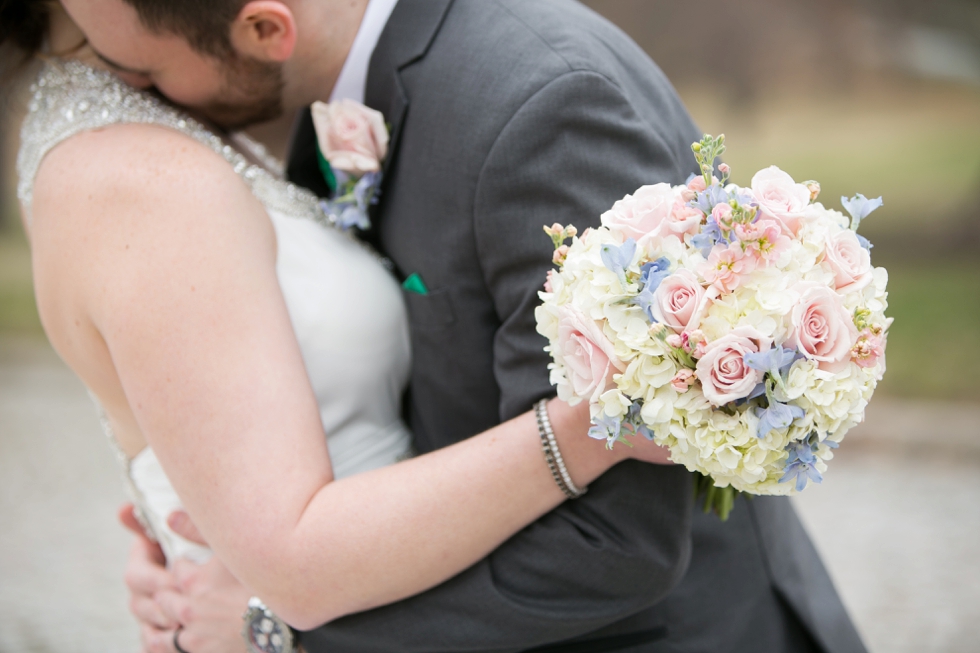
(683, 219)
(554, 230)
(724, 169)
(675, 341)
(571, 231)
(683, 380)
(560, 255)
(352, 137)
(722, 214)
(814, 188)
(697, 184)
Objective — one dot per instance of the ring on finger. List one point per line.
(177, 633)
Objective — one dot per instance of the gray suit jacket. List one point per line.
(508, 115)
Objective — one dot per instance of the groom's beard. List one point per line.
(257, 91)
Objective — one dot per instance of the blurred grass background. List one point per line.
(880, 97)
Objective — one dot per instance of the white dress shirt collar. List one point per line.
(352, 82)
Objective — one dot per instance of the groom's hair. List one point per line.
(205, 25)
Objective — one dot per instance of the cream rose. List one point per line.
(586, 353)
(821, 328)
(850, 263)
(781, 198)
(352, 137)
(641, 214)
(677, 299)
(722, 370)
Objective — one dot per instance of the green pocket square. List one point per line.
(415, 284)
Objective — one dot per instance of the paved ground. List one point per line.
(897, 522)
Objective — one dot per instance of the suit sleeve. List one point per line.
(572, 149)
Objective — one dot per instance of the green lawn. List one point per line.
(934, 343)
(18, 312)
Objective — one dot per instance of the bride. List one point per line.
(237, 340)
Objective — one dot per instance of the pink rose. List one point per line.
(587, 354)
(352, 137)
(781, 198)
(698, 185)
(641, 214)
(726, 266)
(677, 299)
(822, 329)
(683, 220)
(850, 263)
(722, 370)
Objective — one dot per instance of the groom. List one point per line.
(505, 115)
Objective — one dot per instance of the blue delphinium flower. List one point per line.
(711, 234)
(801, 463)
(709, 198)
(606, 428)
(619, 258)
(651, 276)
(776, 361)
(776, 416)
(864, 242)
(365, 190)
(860, 207)
(636, 423)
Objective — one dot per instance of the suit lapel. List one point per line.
(406, 38)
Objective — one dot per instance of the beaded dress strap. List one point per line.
(69, 97)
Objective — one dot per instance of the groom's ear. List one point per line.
(264, 30)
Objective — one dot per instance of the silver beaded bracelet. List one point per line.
(552, 454)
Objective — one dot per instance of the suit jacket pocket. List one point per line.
(430, 311)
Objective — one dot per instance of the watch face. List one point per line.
(268, 635)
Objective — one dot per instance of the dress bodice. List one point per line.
(346, 309)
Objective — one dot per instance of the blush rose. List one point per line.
(821, 327)
(850, 263)
(722, 370)
(677, 299)
(780, 198)
(586, 353)
(642, 214)
(352, 137)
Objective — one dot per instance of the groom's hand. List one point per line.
(146, 574)
(209, 603)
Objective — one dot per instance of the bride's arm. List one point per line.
(150, 250)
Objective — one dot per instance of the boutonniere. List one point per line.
(352, 143)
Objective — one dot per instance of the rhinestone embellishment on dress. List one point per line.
(69, 97)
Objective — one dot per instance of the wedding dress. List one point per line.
(346, 309)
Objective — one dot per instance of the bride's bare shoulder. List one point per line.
(137, 202)
(125, 166)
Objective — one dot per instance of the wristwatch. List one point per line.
(264, 632)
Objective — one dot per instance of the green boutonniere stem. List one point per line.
(326, 170)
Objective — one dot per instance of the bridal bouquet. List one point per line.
(742, 328)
